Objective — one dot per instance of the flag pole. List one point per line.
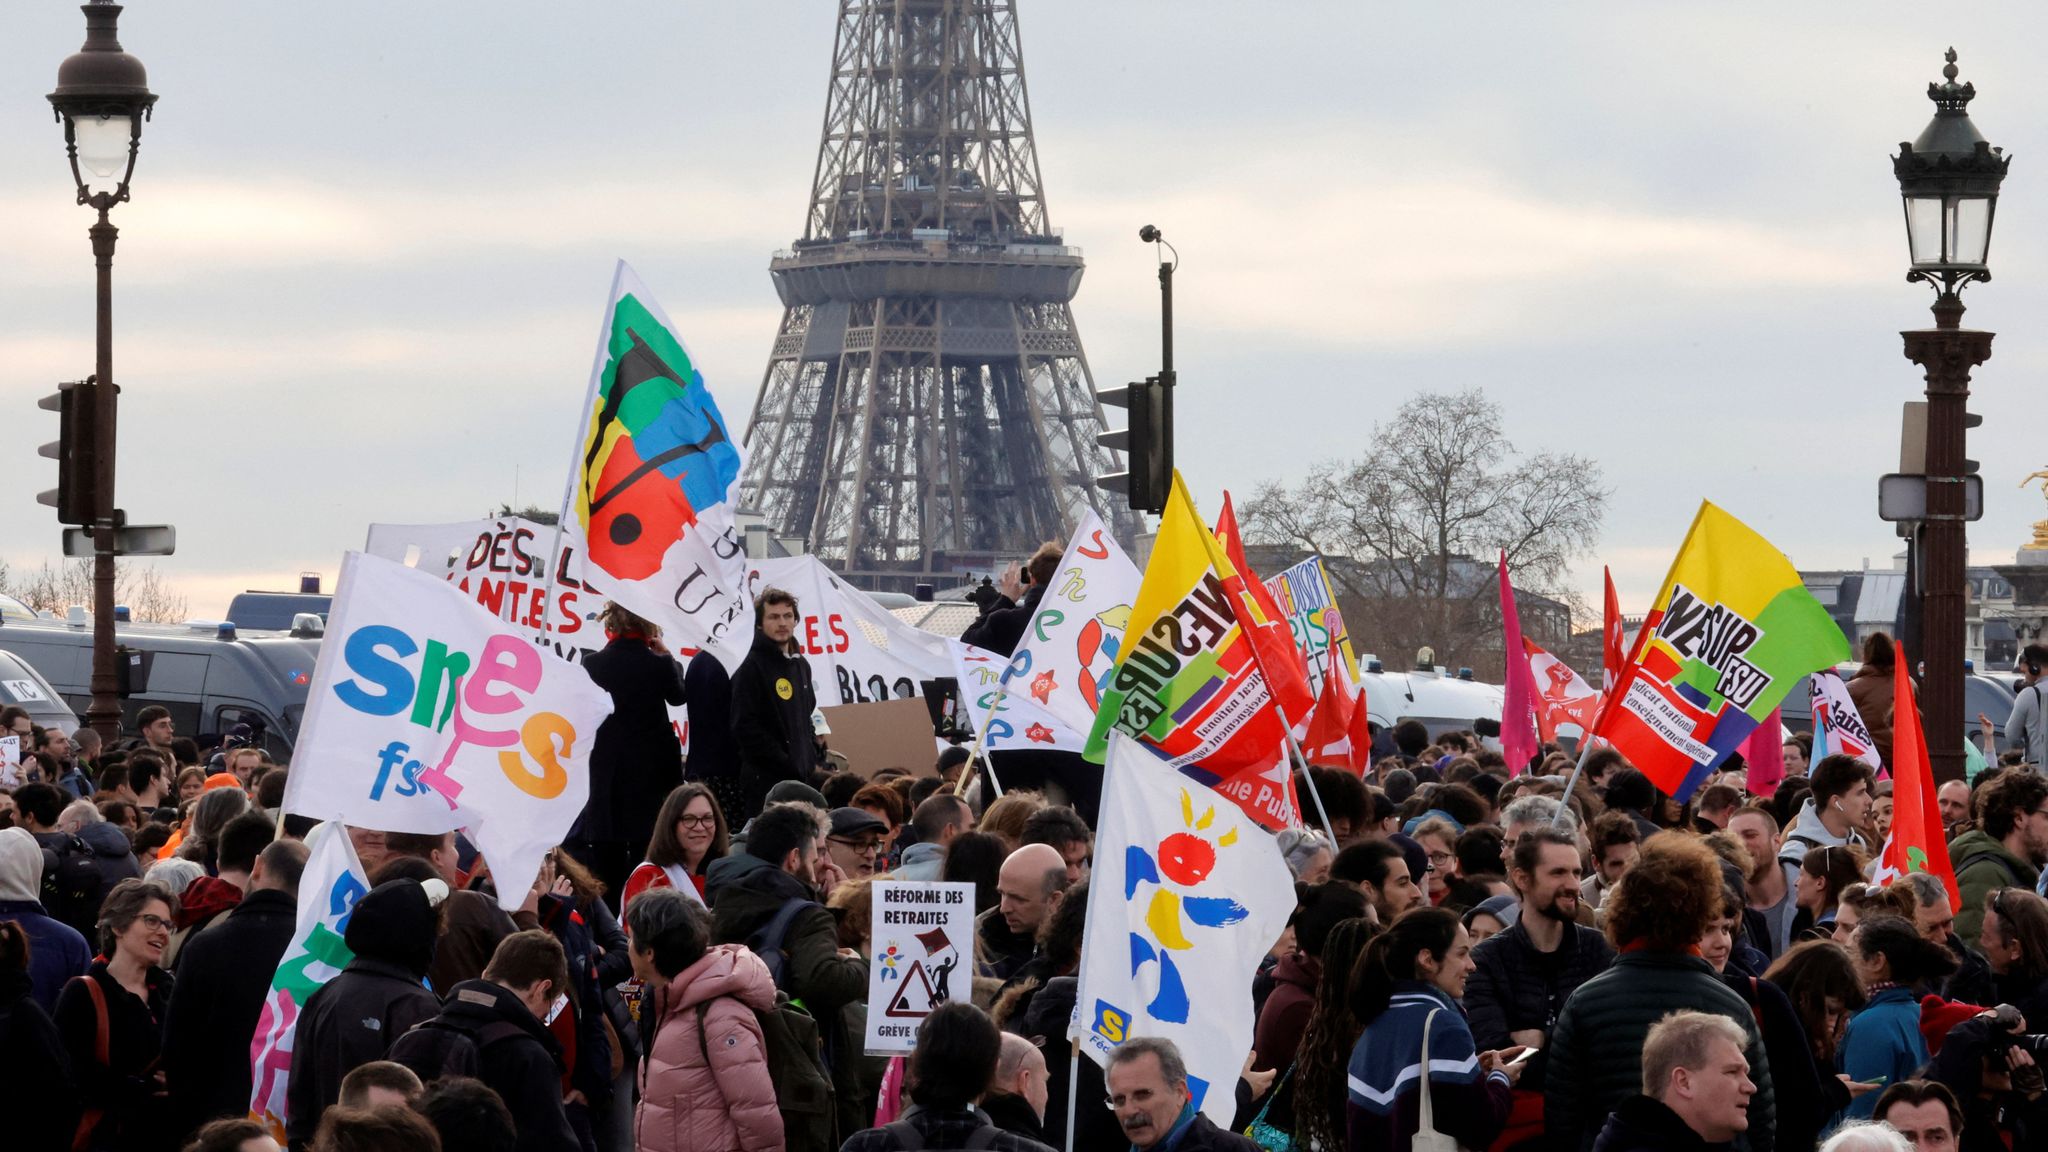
(1073, 1086)
(977, 760)
(1298, 754)
(1565, 806)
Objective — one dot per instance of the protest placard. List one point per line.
(922, 956)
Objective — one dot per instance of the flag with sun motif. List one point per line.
(1187, 896)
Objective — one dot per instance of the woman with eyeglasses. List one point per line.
(689, 833)
(111, 1020)
(1823, 875)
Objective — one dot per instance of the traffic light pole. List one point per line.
(104, 714)
(1946, 352)
(1164, 412)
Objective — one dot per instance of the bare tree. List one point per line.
(1422, 516)
(144, 590)
(533, 512)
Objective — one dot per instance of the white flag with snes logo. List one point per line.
(427, 714)
(1187, 895)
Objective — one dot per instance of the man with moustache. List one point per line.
(1523, 975)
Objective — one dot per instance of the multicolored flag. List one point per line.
(1187, 681)
(1309, 601)
(1518, 711)
(427, 714)
(1063, 662)
(1918, 842)
(1562, 697)
(1013, 717)
(328, 890)
(1186, 898)
(653, 483)
(1838, 727)
(1284, 664)
(1732, 630)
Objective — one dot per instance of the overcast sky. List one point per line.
(368, 251)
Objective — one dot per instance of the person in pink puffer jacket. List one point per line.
(704, 1084)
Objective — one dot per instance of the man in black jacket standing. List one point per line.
(1009, 611)
(517, 1057)
(772, 702)
(1522, 976)
(224, 975)
(636, 761)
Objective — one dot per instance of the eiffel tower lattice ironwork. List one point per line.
(927, 407)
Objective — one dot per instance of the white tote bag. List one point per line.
(1427, 1138)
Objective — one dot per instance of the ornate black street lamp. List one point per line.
(102, 99)
(1949, 180)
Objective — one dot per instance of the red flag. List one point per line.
(1764, 753)
(1329, 730)
(1613, 654)
(1361, 734)
(1562, 697)
(1917, 843)
(1273, 641)
(1518, 711)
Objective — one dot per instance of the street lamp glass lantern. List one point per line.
(102, 98)
(1949, 231)
(102, 142)
(1949, 180)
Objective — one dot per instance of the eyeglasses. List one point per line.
(706, 821)
(862, 846)
(1441, 857)
(154, 923)
(1141, 1097)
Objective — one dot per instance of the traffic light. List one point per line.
(74, 497)
(1970, 420)
(1146, 441)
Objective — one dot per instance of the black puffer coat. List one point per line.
(1596, 1048)
(1513, 986)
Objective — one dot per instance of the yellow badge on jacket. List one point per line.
(783, 689)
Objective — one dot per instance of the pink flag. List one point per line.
(1764, 752)
(1518, 711)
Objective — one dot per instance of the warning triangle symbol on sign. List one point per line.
(914, 999)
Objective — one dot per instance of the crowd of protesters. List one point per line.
(1477, 959)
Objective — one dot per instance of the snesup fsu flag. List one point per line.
(1187, 896)
(1918, 842)
(427, 714)
(328, 890)
(1732, 630)
(1187, 682)
(1064, 660)
(653, 482)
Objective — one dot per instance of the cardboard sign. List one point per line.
(884, 733)
(922, 956)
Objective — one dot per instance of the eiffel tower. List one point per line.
(927, 408)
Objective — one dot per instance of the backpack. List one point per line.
(73, 888)
(909, 1139)
(438, 1049)
(795, 1045)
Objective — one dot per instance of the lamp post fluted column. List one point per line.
(104, 714)
(1946, 353)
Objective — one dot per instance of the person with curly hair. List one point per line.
(2007, 847)
(1654, 918)
(1823, 874)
